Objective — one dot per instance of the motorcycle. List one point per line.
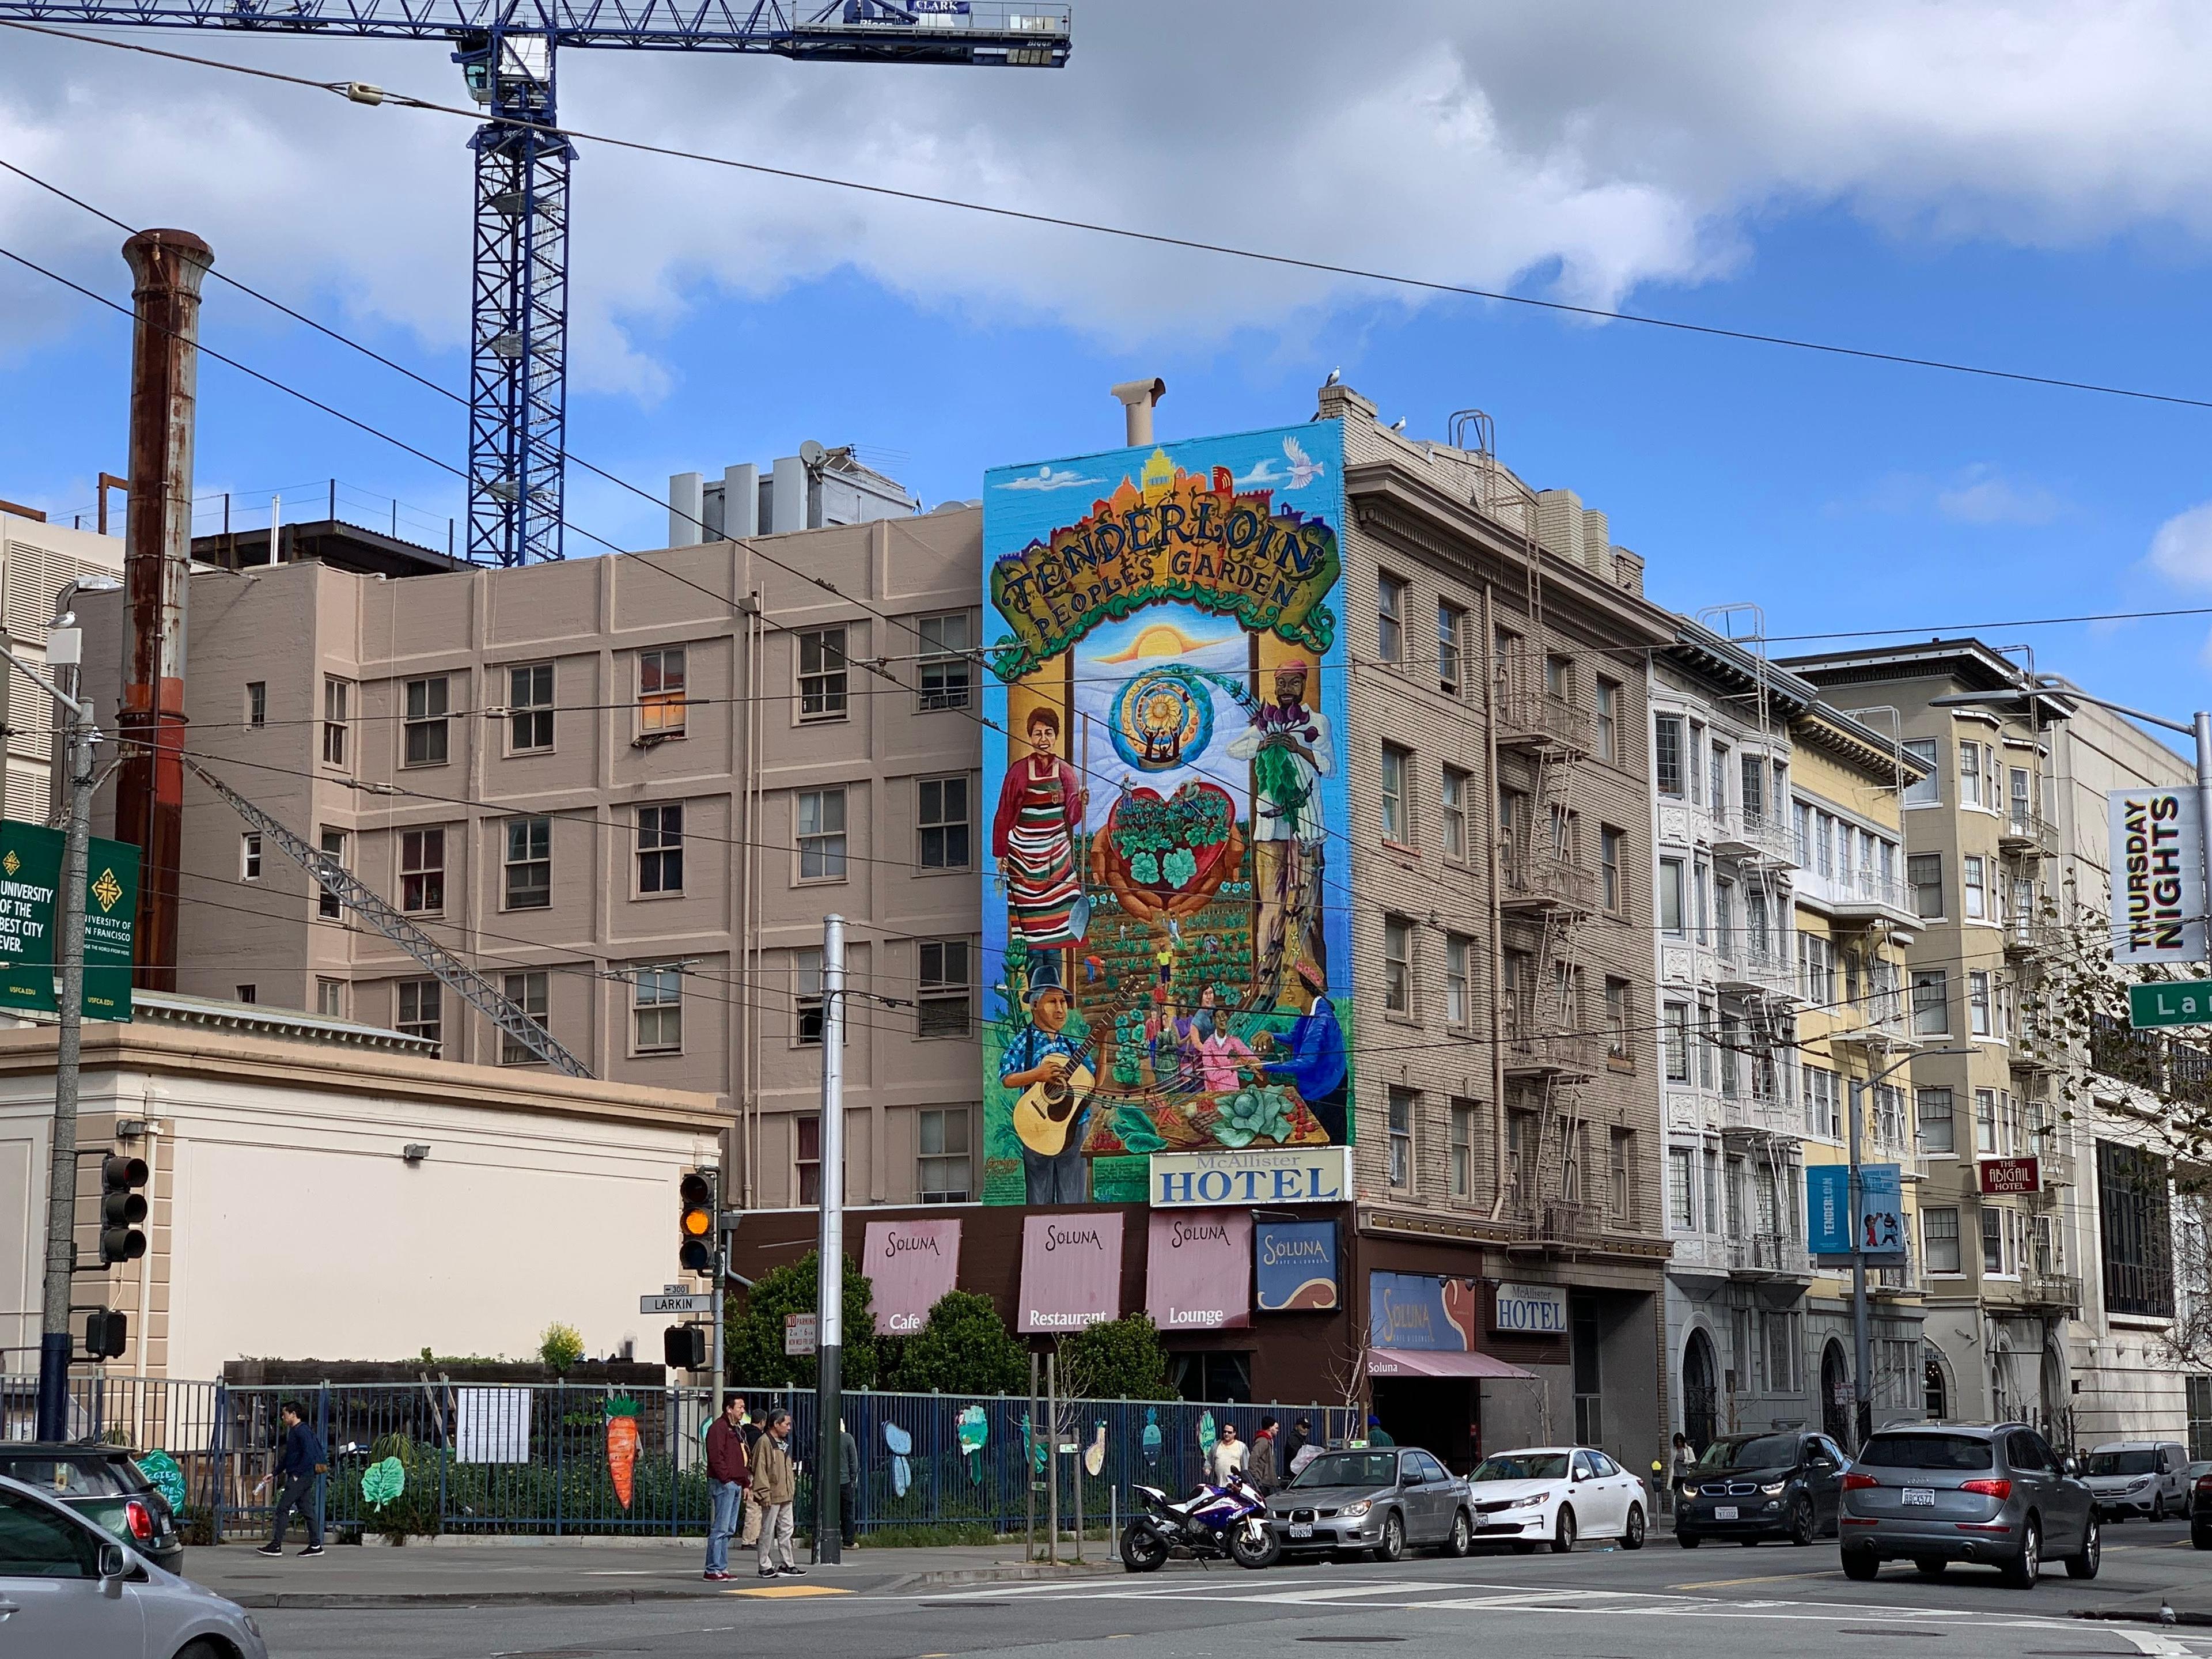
(1213, 1522)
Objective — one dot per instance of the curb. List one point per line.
(958, 1577)
(349, 1600)
(2124, 1616)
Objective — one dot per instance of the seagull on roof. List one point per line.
(1303, 468)
(1335, 375)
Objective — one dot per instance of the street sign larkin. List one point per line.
(687, 1302)
(2170, 1002)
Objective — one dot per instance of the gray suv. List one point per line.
(1994, 1493)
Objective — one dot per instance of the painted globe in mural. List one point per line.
(1162, 718)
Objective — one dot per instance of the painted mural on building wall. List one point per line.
(1166, 929)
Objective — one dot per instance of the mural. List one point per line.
(1165, 915)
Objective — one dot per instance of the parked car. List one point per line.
(1554, 1495)
(2196, 1487)
(1384, 1500)
(66, 1586)
(2200, 1509)
(2138, 1477)
(1995, 1494)
(102, 1484)
(1750, 1487)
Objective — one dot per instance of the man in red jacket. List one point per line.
(729, 1472)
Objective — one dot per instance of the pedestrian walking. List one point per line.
(775, 1486)
(301, 1468)
(729, 1472)
(848, 1487)
(1259, 1462)
(1294, 1442)
(1228, 1455)
(755, 1427)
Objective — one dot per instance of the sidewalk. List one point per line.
(526, 1572)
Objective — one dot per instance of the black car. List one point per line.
(1785, 1484)
(103, 1485)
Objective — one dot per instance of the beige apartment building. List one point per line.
(39, 563)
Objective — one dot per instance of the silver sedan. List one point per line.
(1382, 1499)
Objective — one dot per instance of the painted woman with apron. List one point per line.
(1041, 809)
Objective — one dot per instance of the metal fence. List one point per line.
(543, 1458)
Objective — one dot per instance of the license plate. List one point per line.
(1920, 1498)
(1302, 1532)
(1724, 1513)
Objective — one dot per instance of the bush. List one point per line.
(1116, 1358)
(963, 1348)
(559, 1348)
(753, 1346)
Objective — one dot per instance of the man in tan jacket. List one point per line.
(776, 1489)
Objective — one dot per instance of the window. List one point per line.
(1451, 628)
(424, 741)
(1923, 872)
(1608, 722)
(1978, 1004)
(257, 703)
(528, 992)
(337, 696)
(821, 819)
(1666, 754)
(1937, 1127)
(2134, 1225)
(327, 903)
(1676, 1036)
(529, 864)
(821, 674)
(1928, 791)
(329, 997)
(2023, 810)
(1985, 1122)
(1559, 679)
(1970, 773)
(1671, 896)
(1718, 773)
(946, 992)
(660, 677)
(943, 1173)
(1939, 1240)
(1993, 1238)
(1681, 1214)
(1520, 1154)
(1397, 812)
(1931, 1012)
(420, 1003)
(808, 1160)
(248, 994)
(1458, 1006)
(1754, 789)
(1462, 1148)
(1693, 767)
(1622, 1192)
(656, 1002)
(36, 1543)
(249, 856)
(943, 818)
(530, 708)
(1454, 798)
(1970, 883)
(423, 871)
(1616, 1019)
(1397, 965)
(1609, 867)
(1401, 1137)
(1704, 885)
(945, 668)
(1816, 957)
(1391, 617)
(660, 849)
(806, 992)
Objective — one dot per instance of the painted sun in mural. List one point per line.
(1160, 640)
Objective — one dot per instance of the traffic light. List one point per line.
(683, 1347)
(122, 1207)
(696, 1251)
(106, 1334)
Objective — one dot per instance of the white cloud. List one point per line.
(1981, 494)
(1580, 149)
(2181, 548)
(1046, 477)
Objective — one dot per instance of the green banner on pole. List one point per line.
(30, 880)
(2170, 1002)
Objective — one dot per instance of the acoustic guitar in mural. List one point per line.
(1047, 1111)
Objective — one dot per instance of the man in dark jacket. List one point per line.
(301, 1466)
(1293, 1444)
(1260, 1461)
(728, 1474)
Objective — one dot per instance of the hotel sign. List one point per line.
(1273, 1174)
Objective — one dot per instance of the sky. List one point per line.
(2020, 186)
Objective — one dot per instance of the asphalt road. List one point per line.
(1597, 1603)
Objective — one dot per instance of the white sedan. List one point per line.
(1554, 1495)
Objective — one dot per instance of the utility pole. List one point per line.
(1861, 1332)
(829, 1280)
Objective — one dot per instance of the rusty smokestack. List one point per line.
(166, 268)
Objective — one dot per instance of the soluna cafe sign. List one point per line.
(31, 858)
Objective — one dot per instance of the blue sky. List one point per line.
(2054, 226)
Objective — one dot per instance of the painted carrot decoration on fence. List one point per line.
(621, 1446)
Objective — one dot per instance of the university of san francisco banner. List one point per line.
(1165, 914)
(30, 880)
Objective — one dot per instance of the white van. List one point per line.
(2138, 1477)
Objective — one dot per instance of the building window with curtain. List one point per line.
(822, 675)
(528, 992)
(1397, 965)
(1402, 1102)
(660, 676)
(529, 867)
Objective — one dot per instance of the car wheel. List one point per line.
(1393, 1547)
(2025, 1568)
(1930, 1566)
(1803, 1525)
(2084, 1565)
(1688, 1541)
(1562, 1535)
(1462, 1536)
(2200, 1534)
(1632, 1537)
(2158, 1507)
(1859, 1565)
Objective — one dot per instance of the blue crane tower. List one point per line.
(508, 52)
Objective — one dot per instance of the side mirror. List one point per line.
(113, 1562)
(1577, 1475)
(2071, 1465)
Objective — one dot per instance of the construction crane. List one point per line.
(508, 50)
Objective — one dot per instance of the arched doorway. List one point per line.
(1836, 1394)
(1934, 1391)
(1700, 1395)
(2051, 1415)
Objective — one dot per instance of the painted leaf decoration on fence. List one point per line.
(168, 1479)
(382, 1482)
(1151, 1433)
(896, 1440)
(1206, 1435)
(1094, 1454)
(973, 1428)
(900, 1442)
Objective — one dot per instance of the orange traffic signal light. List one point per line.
(697, 1222)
